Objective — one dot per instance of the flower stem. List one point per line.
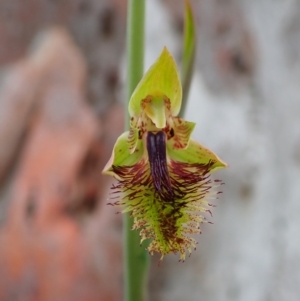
(135, 256)
(135, 46)
(189, 52)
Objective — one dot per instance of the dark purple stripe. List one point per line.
(156, 147)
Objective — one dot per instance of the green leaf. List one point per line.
(121, 155)
(160, 81)
(189, 48)
(195, 153)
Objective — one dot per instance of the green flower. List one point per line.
(163, 175)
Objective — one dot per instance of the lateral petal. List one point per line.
(182, 131)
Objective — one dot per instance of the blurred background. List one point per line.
(62, 75)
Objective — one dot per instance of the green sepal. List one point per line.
(121, 155)
(161, 79)
(195, 153)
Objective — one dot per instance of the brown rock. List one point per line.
(47, 251)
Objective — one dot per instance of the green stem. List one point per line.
(135, 46)
(189, 51)
(135, 256)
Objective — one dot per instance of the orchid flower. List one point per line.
(163, 175)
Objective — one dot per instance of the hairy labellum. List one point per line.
(166, 200)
